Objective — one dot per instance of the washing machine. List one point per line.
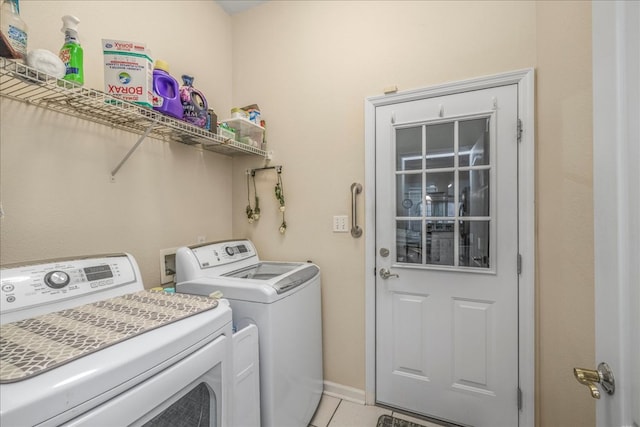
(283, 299)
(84, 344)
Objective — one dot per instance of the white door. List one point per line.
(447, 256)
(616, 100)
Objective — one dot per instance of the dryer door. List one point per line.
(202, 380)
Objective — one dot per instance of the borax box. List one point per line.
(128, 71)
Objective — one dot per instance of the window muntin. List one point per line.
(444, 173)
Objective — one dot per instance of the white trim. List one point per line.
(344, 392)
(526, 205)
(513, 77)
(616, 63)
(370, 250)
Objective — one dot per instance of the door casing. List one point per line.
(526, 223)
(616, 61)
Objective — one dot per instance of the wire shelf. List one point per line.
(22, 83)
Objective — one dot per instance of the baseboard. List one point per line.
(344, 392)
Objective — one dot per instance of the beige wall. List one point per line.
(565, 294)
(310, 65)
(55, 170)
(318, 62)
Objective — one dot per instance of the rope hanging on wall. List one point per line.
(253, 213)
(279, 191)
(249, 210)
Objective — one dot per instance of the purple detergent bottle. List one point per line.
(166, 92)
(194, 104)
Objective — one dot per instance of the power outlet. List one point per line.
(340, 224)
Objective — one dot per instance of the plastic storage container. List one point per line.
(166, 92)
(239, 113)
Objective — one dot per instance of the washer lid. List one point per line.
(272, 270)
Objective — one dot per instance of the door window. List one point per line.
(191, 410)
(444, 175)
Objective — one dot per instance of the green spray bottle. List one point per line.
(71, 53)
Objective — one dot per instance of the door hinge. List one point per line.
(519, 399)
(519, 264)
(519, 132)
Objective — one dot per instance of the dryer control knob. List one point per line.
(229, 250)
(56, 279)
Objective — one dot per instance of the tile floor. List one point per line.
(334, 412)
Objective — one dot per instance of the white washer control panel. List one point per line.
(220, 253)
(33, 284)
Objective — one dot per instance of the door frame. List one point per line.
(615, 128)
(526, 224)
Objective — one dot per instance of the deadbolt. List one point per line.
(384, 252)
(603, 376)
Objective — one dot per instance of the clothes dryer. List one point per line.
(283, 299)
(83, 344)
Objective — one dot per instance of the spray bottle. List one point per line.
(71, 52)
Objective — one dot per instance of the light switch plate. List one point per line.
(340, 224)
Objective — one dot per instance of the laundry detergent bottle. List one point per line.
(71, 53)
(13, 31)
(166, 91)
(194, 104)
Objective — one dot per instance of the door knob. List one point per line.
(603, 376)
(385, 274)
